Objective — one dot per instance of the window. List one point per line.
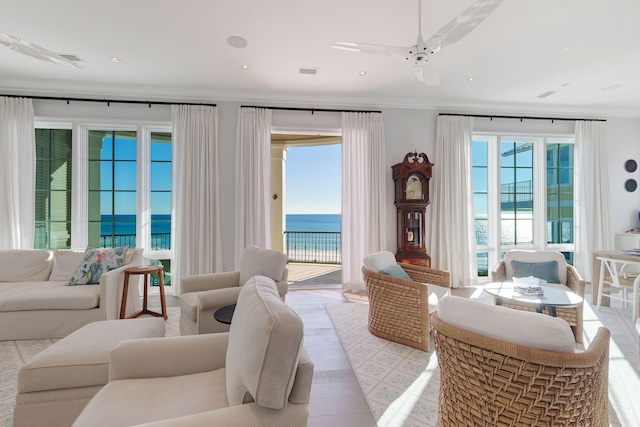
(112, 188)
(523, 195)
(122, 195)
(53, 189)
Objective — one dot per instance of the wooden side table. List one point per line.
(145, 270)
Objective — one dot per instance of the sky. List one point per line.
(314, 180)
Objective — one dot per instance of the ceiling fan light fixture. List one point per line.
(611, 87)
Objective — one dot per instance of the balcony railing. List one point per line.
(313, 247)
(159, 241)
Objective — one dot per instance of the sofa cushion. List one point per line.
(65, 263)
(536, 256)
(134, 402)
(547, 271)
(82, 358)
(25, 265)
(262, 262)
(47, 295)
(95, 262)
(379, 261)
(519, 327)
(264, 345)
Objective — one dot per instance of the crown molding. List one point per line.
(310, 100)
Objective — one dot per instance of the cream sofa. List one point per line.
(257, 374)
(35, 303)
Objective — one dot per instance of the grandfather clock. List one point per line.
(411, 182)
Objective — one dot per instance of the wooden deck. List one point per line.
(315, 275)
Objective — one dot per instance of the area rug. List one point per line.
(14, 354)
(400, 383)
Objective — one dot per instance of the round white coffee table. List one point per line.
(552, 297)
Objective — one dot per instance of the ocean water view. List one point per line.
(120, 230)
(313, 238)
(313, 222)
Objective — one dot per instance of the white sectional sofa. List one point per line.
(36, 303)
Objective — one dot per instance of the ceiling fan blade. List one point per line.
(463, 24)
(398, 52)
(33, 50)
(427, 75)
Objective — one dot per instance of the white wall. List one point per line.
(624, 139)
(405, 131)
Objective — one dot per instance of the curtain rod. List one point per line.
(521, 118)
(108, 101)
(321, 110)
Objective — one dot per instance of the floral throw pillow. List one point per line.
(95, 262)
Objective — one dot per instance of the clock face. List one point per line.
(414, 188)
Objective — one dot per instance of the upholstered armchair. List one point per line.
(202, 295)
(257, 374)
(521, 263)
(401, 298)
(504, 367)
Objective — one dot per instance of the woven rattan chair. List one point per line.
(488, 382)
(399, 308)
(574, 281)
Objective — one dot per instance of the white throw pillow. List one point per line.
(506, 324)
(379, 261)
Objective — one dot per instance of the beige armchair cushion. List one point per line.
(262, 361)
(518, 327)
(262, 262)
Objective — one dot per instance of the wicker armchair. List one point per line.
(566, 272)
(489, 382)
(399, 308)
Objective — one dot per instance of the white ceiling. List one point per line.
(177, 50)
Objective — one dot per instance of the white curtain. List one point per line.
(593, 227)
(452, 230)
(253, 180)
(17, 173)
(197, 240)
(364, 205)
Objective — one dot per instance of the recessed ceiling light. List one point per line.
(244, 67)
(363, 73)
(237, 42)
(114, 59)
(612, 87)
(470, 79)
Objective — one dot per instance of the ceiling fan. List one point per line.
(33, 50)
(422, 51)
